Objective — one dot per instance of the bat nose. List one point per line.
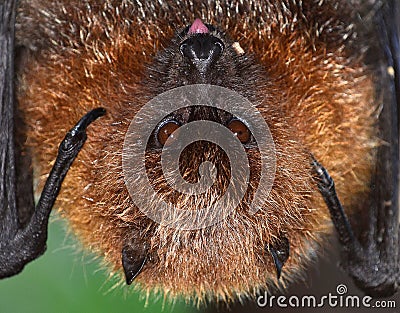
(202, 49)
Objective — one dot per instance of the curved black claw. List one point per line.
(87, 119)
(132, 263)
(325, 181)
(326, 186)
(77, 135)
(280, 253)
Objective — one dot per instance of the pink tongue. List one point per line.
(198, 27)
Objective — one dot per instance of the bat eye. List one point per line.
(240, 130)
(166, 131)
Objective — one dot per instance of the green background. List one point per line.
(66, 281)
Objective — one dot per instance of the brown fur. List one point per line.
(318, 99)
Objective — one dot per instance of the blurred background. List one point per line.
(65, 280)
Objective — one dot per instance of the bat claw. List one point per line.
(280, 254)
(132, 263)
(324, 180)
(87, 119)
(76, 137)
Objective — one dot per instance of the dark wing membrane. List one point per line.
(384, 217)
(371, 257)
(391, 20)
(8, 211)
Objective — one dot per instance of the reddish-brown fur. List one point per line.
(318, 99)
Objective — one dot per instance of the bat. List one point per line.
(305, 105)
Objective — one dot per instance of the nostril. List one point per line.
(189, 49)
(183, 49)
(220, 46)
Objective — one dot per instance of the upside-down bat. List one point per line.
(323, 75)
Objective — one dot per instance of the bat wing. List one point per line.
(383, 220)
(23, 227)
(370, 250)
(383, 232)
(8, 211)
